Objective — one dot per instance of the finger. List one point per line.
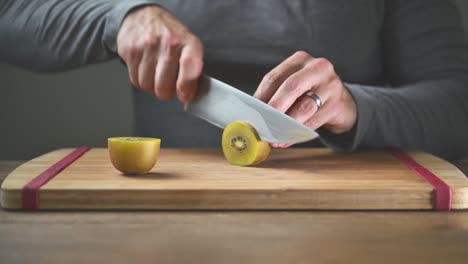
(166, 71)
(285, 145)
(146, 69)
(190, 69)
(307, 79)
(303, 109)
(133, 61)
(305, 106)
(272, 80)
(281, 145)
(326, 113)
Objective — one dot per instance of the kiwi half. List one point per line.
(242, 146)
(133, 155)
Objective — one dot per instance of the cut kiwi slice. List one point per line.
(133, 155)
(242, 145)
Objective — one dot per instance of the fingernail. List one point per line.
(182, 96)
(189, 96)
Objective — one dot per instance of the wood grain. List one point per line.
(232, 236)
(202, 179)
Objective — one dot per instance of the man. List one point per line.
(389, 73)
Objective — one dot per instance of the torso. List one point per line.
(246, 39)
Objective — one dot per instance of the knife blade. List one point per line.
(221, 104)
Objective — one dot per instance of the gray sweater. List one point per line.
(404, 61)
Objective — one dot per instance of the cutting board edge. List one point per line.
(11, 197)
(265, 200)
(460, 198)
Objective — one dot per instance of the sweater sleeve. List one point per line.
(58, 35)
(425, 104)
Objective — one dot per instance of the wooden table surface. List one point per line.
(232, 237)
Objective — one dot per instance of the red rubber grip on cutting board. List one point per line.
(442, 191)
(30, 192)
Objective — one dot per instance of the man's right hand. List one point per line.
(161, 54)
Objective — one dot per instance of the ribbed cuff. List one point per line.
(115, 17)
(350, 141)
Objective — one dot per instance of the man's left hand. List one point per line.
(286, 86)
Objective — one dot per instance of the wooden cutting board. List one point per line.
(202, 179)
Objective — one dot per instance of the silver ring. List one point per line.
(316, 99)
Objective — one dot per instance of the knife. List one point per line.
(220, 104)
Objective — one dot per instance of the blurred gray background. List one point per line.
(42, 112)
